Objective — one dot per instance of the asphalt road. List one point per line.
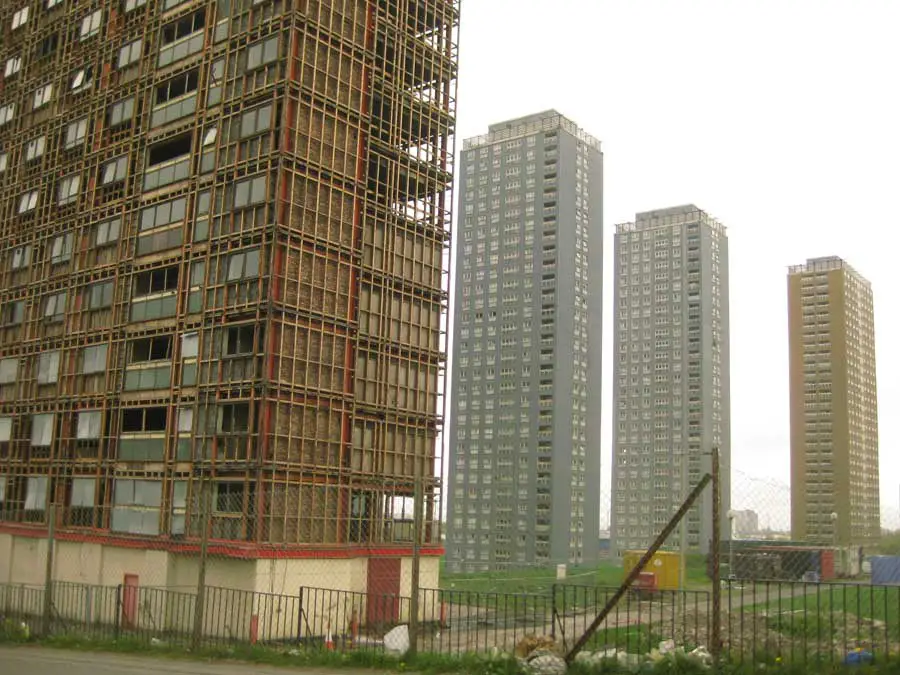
(36, 661)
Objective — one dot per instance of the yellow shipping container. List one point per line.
(666, 565)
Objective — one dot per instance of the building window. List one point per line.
(42, 96)
(130, 53)
(75, 133)
(9, 370)
(28, 201)
(163, 214)
(81, 500)
(143, 420)
(13, 66)
(156, 281)
(243, 265)
(190, 343)
(48, 367)
(115, 170)
(179, 505)
(249, 192)
(90, 25)
(182, 38)
(94, 359)
(256, 121)
(239, 340)
(107, 232)
(121, 112)
(55, 307)
(42, 430)
(53, 3)
(88, 425)
(36, 494)
(262, 53)
(20, 18)
(61, 249)
(68, 189)
(83, 79)
(136, 506)
(185, 420)
(7, 112)
(146, 350)
(5, 435)
(233, 418)
(21, 257)
(35, 148)
(100, 295)
(12, 313)
(229, 497)
(181, 85)
(131, 5)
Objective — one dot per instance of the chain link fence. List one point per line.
(775, 598)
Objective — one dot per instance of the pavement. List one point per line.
(28, 660)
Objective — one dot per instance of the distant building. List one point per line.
(834, 411)
(671, 381)
(744, 523)
(525, 433)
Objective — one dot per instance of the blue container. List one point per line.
(886, 569)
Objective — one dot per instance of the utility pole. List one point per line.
(200, 602)
(414, 576)
(682, 568)
(48, 573)
(716, 647)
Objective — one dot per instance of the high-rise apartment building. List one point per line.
(834, 409)
(671, 397)
(525, 430)
(222, 233)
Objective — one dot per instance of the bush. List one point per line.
(14, 631)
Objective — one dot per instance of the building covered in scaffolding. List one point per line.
(224, 243)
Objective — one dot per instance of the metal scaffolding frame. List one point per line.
(237, 260)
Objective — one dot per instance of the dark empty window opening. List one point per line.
(143, 419)
(158, 348)
(48, 45)
(177, 86)
(230, 497)
(239, 340)
(183, 27)
(234, 418)
(156, 281)
(169, 150)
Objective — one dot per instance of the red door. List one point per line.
(129, 600)
(383, 584)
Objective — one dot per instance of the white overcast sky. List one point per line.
(779, 117)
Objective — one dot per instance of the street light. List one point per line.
(834, 534)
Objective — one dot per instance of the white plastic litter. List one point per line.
(396, 641)
(542, 662)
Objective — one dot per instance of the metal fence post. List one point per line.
(553, 611)
(48, 573)
(117, 626)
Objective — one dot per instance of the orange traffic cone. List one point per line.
(329, 641)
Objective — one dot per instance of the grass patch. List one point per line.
(286, 656)
(439, 664)
(814, 613)
(513, 581)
